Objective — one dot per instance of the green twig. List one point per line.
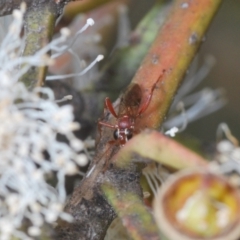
(39, 26)
(127, 59)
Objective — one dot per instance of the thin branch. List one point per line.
(39, 25)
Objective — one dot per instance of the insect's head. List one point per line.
(123, 134)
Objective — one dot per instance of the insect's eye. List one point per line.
(116, 134)
(128, 133)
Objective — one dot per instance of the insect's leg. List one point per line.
(109, 106)
(106, 124)
(100, 124)
(145, 105)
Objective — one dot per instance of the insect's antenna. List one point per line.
(145, 106)
(109, 106)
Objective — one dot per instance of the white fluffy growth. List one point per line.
(28, 128)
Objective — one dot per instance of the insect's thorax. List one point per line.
(126, 122)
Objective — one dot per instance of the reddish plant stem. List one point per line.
(172, 52)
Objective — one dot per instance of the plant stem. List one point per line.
(39, 25)
(171, 53)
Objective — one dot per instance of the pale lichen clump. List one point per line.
(30, 151)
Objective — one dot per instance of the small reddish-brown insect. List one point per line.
(131, 107)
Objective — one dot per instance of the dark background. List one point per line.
(223, 42)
